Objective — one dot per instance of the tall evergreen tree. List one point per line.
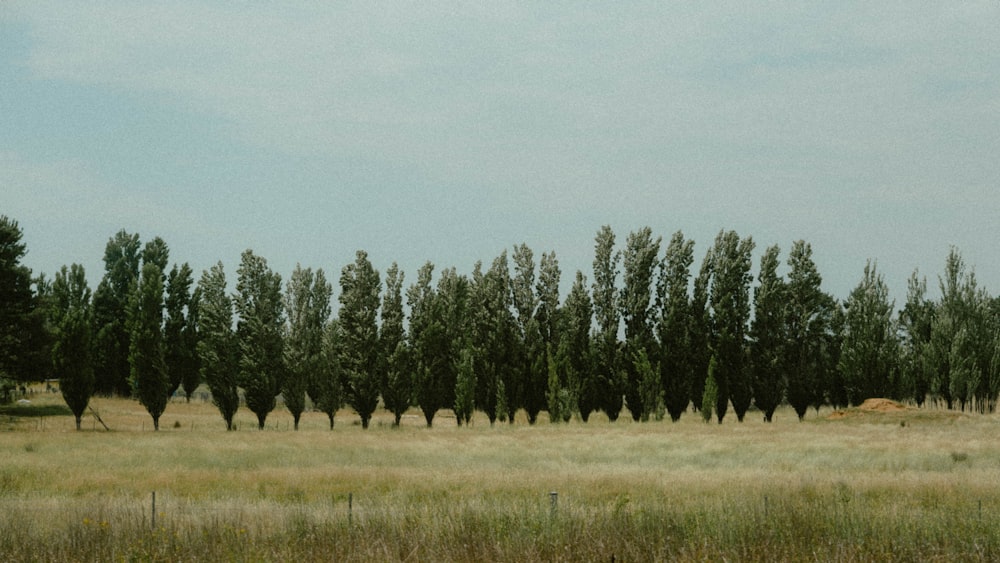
(72, 352)
(807, 326)
(425, 339)
(494, 336)
(397, 382)
(149, 378)
(112, 340)
(307, 302)
(217, 348)
(673, 325)
(730, 302)
(259, 334)
(700, 330)
(465, 388)
(528, 381)
(639, 260)
(21, 319)
(547, 290)
(767, 336)
(605, 296)
(191, 377)
(326, 387)
(916, 321)
(868, 356)
(359, 356)
(576, 315)
(179, 332)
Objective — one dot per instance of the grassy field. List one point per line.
(859, 486)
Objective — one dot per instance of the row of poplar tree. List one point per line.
(647, 334)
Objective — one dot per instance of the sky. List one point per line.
(448, 132)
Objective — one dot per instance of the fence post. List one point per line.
(553, 503)
(154, 511)
(350, 508)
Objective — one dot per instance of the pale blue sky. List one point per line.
(450, 131)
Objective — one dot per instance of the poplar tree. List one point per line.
(673, 325)
(576, 316)
(23, 337)
(111, 299)
(191, 377)
(359, 355)
(730, 303)
(494, 335)
(528, 382)
(767, 336)
(700, 330)
(325, 385)
(259, 333)
(72, 351)
(145, 319)
(425, 338)
(397, 383)
(610, 384)
(916, 322)
(807, 326)
(869, 347)
(179, 331)
(307, 302)
(640, 261)
(465, 388)
(217, 348)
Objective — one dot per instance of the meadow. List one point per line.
(854, 486)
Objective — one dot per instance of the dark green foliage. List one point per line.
(218, 350)
(767, 335)
(700, 330)
(709, 397)
(916, 321)
(494, 337)
(730, 303)
(640, 261)
(146, 351)
(673, 328)
(111, 299)
(180, 334)
(22, 319)
(806, 338)
(73, 326)
(650, 387)
(610, 385)
(191, 378)
(528, 381)
(359, 354)
(547, 290)
(576, 316)
(465, 388)
(259, 334)
(307, 302)
(869, 353)
(325, 385)
(397, 382)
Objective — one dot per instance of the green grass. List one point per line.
(919, 485)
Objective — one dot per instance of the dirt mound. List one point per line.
(881, 405)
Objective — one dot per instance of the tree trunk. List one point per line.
(260, 421)
(330, 414)
(296, 417)
(156, 424)
(364, 421)
(78, 424)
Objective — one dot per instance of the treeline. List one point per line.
(647, 334)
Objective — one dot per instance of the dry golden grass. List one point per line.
(904, 485)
